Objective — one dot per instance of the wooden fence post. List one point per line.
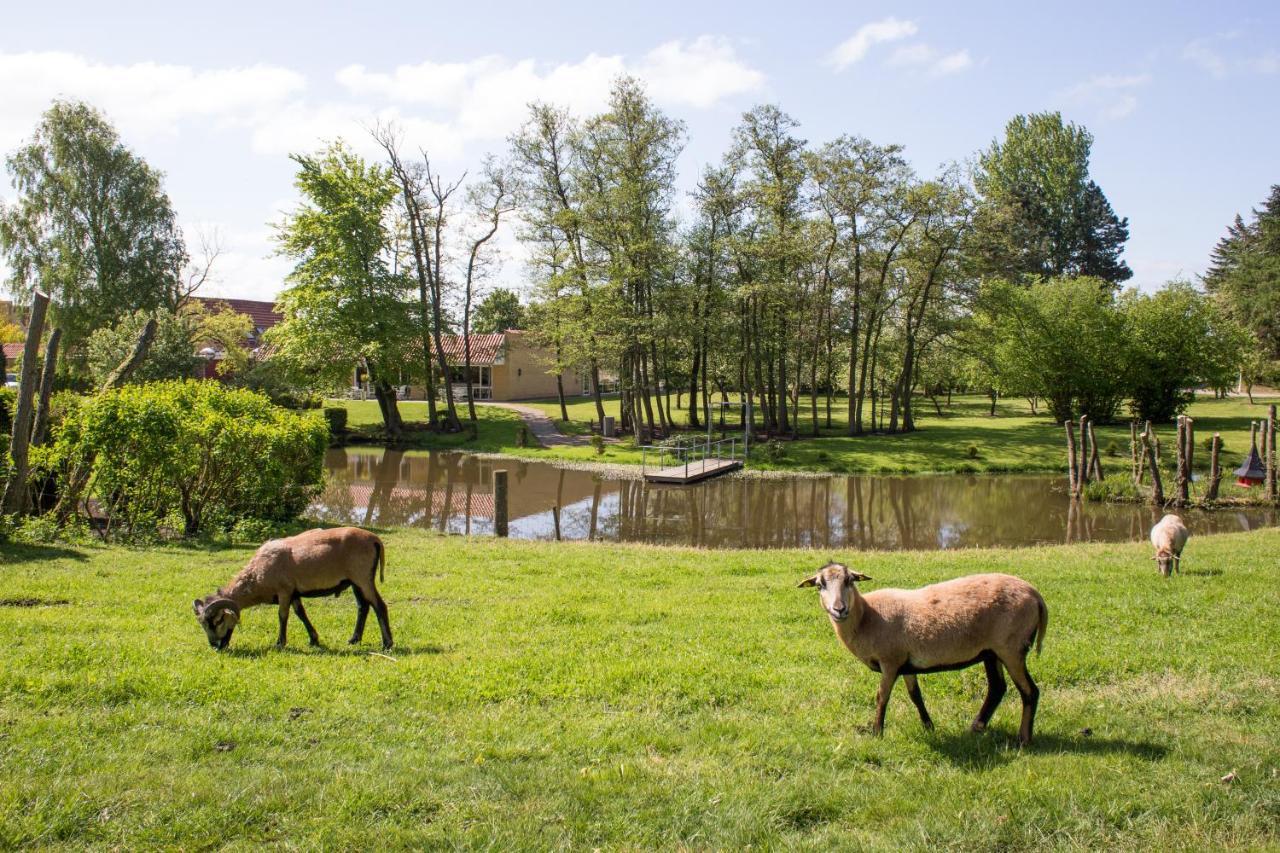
(1082, 479)
(1157, 488)
(1095, 463)
(1180, 483)
(1191, 450)
(1215, 469)
(500, 503)
(1135, 465)
(15, 494)
(1073, 471)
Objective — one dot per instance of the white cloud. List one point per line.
(854, 48)
(699, 73)
(143, 99)
(1199, 53)
(1204, 53)
(1113, 96)
(923, 56)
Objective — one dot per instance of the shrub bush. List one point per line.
(774, 450)
(972, 452)
(203, 452)
(597, 444)
(337, 418)
(1115, 487)
(1112, 448)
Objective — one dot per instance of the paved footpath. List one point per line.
(543, 428)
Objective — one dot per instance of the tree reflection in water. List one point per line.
(453, 493)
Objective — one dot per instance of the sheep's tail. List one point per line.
(1042, 624)
(380, 563)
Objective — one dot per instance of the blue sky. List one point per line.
(1183, 101)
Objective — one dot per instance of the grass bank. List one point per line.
(964, 438)
(549, 695)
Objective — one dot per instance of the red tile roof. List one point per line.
(263, 314)
(484, 348)
(12, 351)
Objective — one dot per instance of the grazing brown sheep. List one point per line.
(989, 619)
(1169, 537)
(284, 571)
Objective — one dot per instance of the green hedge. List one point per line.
(337, 417)
(194, 454)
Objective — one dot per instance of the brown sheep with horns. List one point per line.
(309, 565)
(991, 619)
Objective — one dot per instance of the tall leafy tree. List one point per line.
(91, 226)
(627, 160)
(1177, 340)
(1041, 214)
(1245, 273)
(348, 303)
(498, 311)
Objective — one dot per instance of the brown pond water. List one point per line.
(452, 492)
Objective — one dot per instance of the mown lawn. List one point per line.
(576, 695)
(1012, 441)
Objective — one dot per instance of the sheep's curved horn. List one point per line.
(215, 608)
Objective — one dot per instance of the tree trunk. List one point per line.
(126, 368)
(1157, 488)
(15, 494)
(41, 429)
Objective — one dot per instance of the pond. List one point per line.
(452, 492)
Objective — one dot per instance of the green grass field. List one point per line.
(1013, 441)
(577, 695)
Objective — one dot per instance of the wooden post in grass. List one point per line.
(1180, 499)
(1215, 469)
(1082, 479)
(1135, 463)
(1270, 459)
(1095, 462)
(1191, 450)
(1073, 471)
(15, 493)
(500, 503)
(1157, 488)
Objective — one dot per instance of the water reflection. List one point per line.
(452, 493)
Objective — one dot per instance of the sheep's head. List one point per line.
(1166, 561)
(835, 588)
(218, 617)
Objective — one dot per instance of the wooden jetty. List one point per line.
(692, 472)
(690, 463)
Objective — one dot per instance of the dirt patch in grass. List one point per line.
(33, 602)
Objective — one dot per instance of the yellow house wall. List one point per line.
(524, 374)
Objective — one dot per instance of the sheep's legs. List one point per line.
(913, 690)
(362, 613)
(887, 678)
(283, 601)
(306, 623)
(1030, 695)
(996, 688)
(366, 598)
(384, 621)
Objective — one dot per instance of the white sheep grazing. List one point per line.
(1169, 537)
(309, 565)
(989, 619)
